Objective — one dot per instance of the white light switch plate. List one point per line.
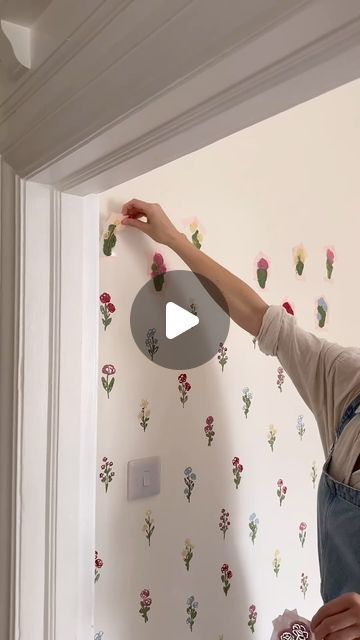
(143, 478)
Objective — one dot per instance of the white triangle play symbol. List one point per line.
(178, 320)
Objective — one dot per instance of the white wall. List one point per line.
(291, 179)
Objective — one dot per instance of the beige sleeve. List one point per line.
(326, 375)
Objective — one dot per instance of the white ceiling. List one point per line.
(109, 78)
(23, 12)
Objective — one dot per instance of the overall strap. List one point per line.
(348, 415)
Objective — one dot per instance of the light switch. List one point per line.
(143, 478)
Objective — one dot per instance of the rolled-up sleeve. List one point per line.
(325, 374)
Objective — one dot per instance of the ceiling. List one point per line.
(23, 12)
(109, 79)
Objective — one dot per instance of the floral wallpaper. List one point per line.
(230, 541)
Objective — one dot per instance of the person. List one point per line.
(327, 376)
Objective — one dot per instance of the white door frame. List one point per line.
(49, 247)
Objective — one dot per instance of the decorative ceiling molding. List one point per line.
(129, 112)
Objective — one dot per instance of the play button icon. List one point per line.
(178, 320)
(183, 325)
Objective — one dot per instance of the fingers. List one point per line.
(337, 626)
(136, 206)
(331, 608)
(136, 224)
(350, 633)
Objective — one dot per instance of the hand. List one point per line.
(338, 619)
(157, 225)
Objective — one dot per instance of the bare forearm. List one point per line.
(246, 308)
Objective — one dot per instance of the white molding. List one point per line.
(291, 61)
(11, 283)
(50, 331)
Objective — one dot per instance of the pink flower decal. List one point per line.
(108, 370)
(237, 471)
(184, 388)
(106, 309)
(281, 491)
(223, 356)
(209, 429)
(280, 378)
(252, 617)
(224, 523)
(145, 604)
(98, 564)
(288, 308)
(158, 269)
(262, 272)
(226, 576)
(107, 473)
(302, 532)
(330, 258)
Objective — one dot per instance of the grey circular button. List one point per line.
(184, 299)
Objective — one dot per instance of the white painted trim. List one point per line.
(48, 337)
(289, 62)
(10, 397)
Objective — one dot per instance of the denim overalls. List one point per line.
(339, 527)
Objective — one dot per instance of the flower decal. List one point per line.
(196, 235)
(149, 526)
(144, 414)
(106, 309)
(252, 618)
(280, 378)
(253, 526)
(145, 604)
(299, 259)
(281, 491)
(188, 553)
(288, 308)
(304, 584)
(246, 398)
(314, 473)
(300, 427)
(184, 388)
(224, 523)
(151, 343)
(192, 611)
(322, 309)
(108, 370)
(226, 576)
(98, 635)
(272, 433)
(107, 473)
(223, 356)
(98, 565)
(237, 471)
(262, 272)
(209, 430)
(158, 270)
(276, 562)
(189, 479)
(302, 532)
(109, 240)
(330, 258)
